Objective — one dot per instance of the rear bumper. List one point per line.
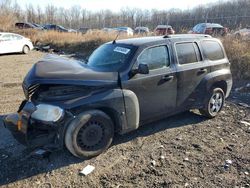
(229, 87)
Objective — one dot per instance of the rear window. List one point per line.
(213, 50)
(187, 53)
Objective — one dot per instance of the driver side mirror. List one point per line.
(143, 69)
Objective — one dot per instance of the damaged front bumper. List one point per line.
(35, 133)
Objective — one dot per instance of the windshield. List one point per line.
(110, 57)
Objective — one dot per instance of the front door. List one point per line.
(156, 91)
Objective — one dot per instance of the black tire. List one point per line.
(26, 49)
(90, 134)
(213, 103)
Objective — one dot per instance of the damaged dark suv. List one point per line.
(124, 84)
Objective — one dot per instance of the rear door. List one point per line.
(18, 43)
(191, 69)
(156, 91)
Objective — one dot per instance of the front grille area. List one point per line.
(29, 91)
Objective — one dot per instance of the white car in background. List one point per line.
(243, 33)
(125, 31)
(14, 43)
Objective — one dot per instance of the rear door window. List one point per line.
(187, 53)
(213, 50)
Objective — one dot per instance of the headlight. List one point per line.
(47, 113)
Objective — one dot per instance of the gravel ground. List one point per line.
(185, 150)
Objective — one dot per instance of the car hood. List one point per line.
(54, 69)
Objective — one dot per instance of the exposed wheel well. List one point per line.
(114, 116)
(220, 84)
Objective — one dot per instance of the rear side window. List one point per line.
(187, 53)
(213, 50)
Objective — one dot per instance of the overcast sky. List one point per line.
(116, 5)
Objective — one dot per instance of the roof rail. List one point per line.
(187, 36)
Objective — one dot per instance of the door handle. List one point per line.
(167, 78)
(202, 71)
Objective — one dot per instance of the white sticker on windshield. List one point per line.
(122, 50)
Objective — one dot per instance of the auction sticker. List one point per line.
(122, 50)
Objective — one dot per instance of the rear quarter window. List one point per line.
(213, 50)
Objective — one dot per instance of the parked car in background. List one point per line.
(55, 27)
(13, 43)
(72, 31)
(26, 25)
(164, 30)
(213, 29)
(83, 30)
(125, 30)
(109, 30)
(243, 33)
(141, 31)
(38, 26)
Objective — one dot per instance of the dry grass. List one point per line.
(238, 52)
(69, 42)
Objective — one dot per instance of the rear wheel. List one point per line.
(90, 134)
(213, 103)
(26, 49)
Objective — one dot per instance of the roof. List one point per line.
(155, 39)
(140, 41)
(163, 26)
(4, 33)
(141, 27)
(211, 24)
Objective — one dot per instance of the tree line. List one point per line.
(232, 14)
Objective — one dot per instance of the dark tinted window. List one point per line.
(188, 53)
(212, 50)
(155, 58)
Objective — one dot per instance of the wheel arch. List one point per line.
(221, 78)
(114, 115)
(220, 84)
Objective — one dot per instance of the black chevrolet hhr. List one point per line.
(124, 84)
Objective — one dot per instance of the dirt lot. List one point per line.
(185, 150)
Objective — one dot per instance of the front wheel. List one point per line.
(90, 134)
(213, 103)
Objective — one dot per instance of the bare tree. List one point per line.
(50, 12)
(232, 14)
